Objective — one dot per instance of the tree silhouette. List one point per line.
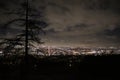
(31, 22)
(30, 26)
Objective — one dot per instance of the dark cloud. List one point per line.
(113, 32)
(61, 8)
(79, 26)
(6, 4)
(110, 5)
(51, 31)
(2, 30)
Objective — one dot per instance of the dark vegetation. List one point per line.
(62, 68)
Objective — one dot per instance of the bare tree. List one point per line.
(31, 23)
(31, 28)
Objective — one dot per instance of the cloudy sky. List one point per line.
(81, 22)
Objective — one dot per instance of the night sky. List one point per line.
(74, 22)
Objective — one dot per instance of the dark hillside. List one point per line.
(64, 68)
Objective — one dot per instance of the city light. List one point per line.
(56, 51)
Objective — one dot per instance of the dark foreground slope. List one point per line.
(64, 68)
